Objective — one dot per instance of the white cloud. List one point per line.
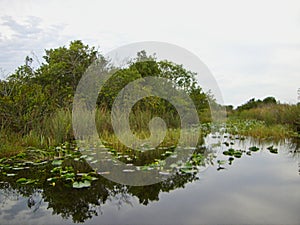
(240, 41)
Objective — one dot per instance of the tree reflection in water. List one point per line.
(83, 204)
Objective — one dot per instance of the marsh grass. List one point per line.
(57, 127)
(274, 122)
(273, 114)
(170, 140)
(259, 129)
(10, 144)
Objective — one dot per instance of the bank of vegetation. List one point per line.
(36, 103)
(267, 118)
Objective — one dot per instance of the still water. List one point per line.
(257, 188)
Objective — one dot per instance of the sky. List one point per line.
(252, 48)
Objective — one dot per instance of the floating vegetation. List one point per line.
(81, 184)
(188, 168)
(25, 181)
(232, 152)
(57, 162)
(128, 171)
(272, 149)
(226, 143)
(254, 149)
(230, 160)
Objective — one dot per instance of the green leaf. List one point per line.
(18, 168)
(26, 181)
(221, 162)
(226, 143)
(238, 154)
(10, 175)
(68, 176)
(57, 162)
(22, 180)
(79, 185)
(227, 153)
(274, 150)
(52, 179)
(253, 148)
(187, 170)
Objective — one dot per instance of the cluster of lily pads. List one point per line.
(190, 166)
(13, 166)
(69, 177)
(232, 153)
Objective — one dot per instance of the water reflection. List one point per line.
(82, 204)
(253, 182)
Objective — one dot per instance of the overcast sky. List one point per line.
(251, 47)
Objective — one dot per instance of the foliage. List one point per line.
(272, 114)
(144, 66)
(36, 103)
(252, 103)
(62, 70)
(259, 129)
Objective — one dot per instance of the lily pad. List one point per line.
(272, 149)
(18, 168)
(254, 149)
(226, 143)
(24, 180)
(221, 162)
(84, 184)
(21, 180)
(128, 171)
(57, 162)
(10, 175)
(238, 154)
(187, 170)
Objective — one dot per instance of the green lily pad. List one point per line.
(254, 149)
(226, 143)
(84, 184)
(238, 154)
(68, 176)
(272, 149)
(221, 162)
(18, 168)
(230, 160)
(52, 179)
(24, 180)
(10, 175)
(57, 162)
(187, 170)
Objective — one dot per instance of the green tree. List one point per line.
(269, 100)
(144, 66)
(62, 70)
(22, 105)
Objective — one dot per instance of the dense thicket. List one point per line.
(29, 97)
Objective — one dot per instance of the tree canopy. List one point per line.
(29, 94)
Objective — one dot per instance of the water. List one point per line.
(261, 188)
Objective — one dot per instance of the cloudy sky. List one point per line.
(251, 47)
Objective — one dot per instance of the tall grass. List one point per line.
(272, 114)
(52, 131)
(57, 127)
(270, 121)
(259, 129)
(10, 143)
